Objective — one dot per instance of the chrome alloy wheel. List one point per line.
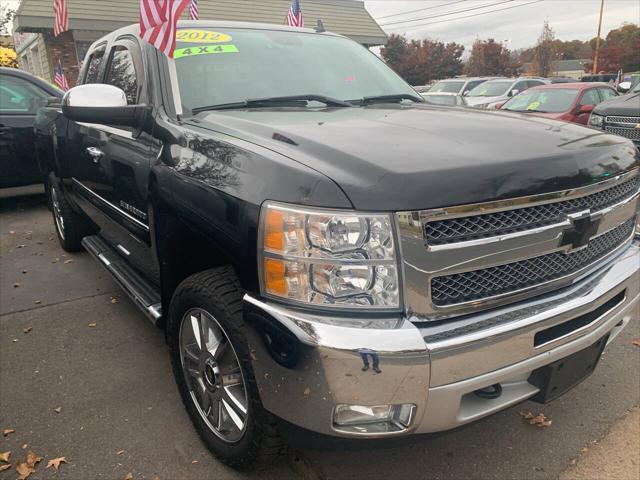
(57, 213)
(213, 375)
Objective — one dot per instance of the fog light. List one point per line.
(376, 419)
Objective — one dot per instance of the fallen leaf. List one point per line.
(15, 340)
(55, 462)
(307, 391)
(5, 467)
(23, 470)
(12, 232)
(155, 477)
(24, 446)
(92, 324)
(119, 452)
(128, 476)
(194, 461)
(57, 409)
(539, 420)
(7, 431)
(4, 457)
(27, 330)
(114, 300)
(38, 302)
(17, 285)
(636, 343)
(21, 246)
(68, 261)
(33, 459)
(253, 355)
(584, 450)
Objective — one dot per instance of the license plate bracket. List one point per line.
(559, 377)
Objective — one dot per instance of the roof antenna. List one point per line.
(320, 27)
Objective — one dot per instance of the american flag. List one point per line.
(60, 79)
(61, 17)
(193, 10)
(158, 19)
(294, 18)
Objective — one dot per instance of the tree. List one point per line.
(489, 57)
(545, 52)
(420, 61)
(620, 50)
(8, 58)
(6, 17)
(394, 51)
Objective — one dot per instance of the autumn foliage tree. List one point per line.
(621, 50)
(489, 57)
(420, 61)
(545, 52)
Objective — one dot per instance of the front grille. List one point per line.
(501, 223)
(632, 133)
(509, 278)
(620, 119)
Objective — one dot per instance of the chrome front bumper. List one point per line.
(306, 364)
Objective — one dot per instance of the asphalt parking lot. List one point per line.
(88, 352)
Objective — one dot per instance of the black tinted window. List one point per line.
(122, 74)
(93, 66)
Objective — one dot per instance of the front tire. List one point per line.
(213, 371)
(70, 226)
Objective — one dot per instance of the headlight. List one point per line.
(596, 120)
(328, 258)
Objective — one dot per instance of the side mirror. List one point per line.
(102, 104)
(499, 106)
(624, 87)
(465, 93)
(514, 92)
(585, 109)
(53, 101)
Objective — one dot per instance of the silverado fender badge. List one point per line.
(583, 228)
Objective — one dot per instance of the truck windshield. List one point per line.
(226, 66)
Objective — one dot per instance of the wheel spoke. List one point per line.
(233, 413)
(197, 333)
(220, 349)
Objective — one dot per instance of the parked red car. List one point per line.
(571, 102)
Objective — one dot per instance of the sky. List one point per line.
(519, 26)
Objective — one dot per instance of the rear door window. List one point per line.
(94, 64)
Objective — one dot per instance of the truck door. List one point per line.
(125, 157)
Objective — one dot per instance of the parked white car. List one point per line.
(493, 92)
(458, 85)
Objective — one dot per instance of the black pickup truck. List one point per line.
(323, 248)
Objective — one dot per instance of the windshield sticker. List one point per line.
(533, 106)
(205, 50)
(202, 36)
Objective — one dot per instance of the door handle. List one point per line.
(95, 153)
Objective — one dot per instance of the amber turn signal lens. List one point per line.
(274, 277)
(273, 233)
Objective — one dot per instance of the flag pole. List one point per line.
(595, 58)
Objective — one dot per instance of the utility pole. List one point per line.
(595, 58)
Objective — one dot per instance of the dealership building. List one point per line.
(39, 50)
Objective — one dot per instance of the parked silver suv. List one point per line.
(458, 85)
(498, 90)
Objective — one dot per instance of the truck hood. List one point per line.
(626, 105)
(397, 157)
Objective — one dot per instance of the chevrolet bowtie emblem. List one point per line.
(583, 228)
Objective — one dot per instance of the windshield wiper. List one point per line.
(390, 99)
(271, 101)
